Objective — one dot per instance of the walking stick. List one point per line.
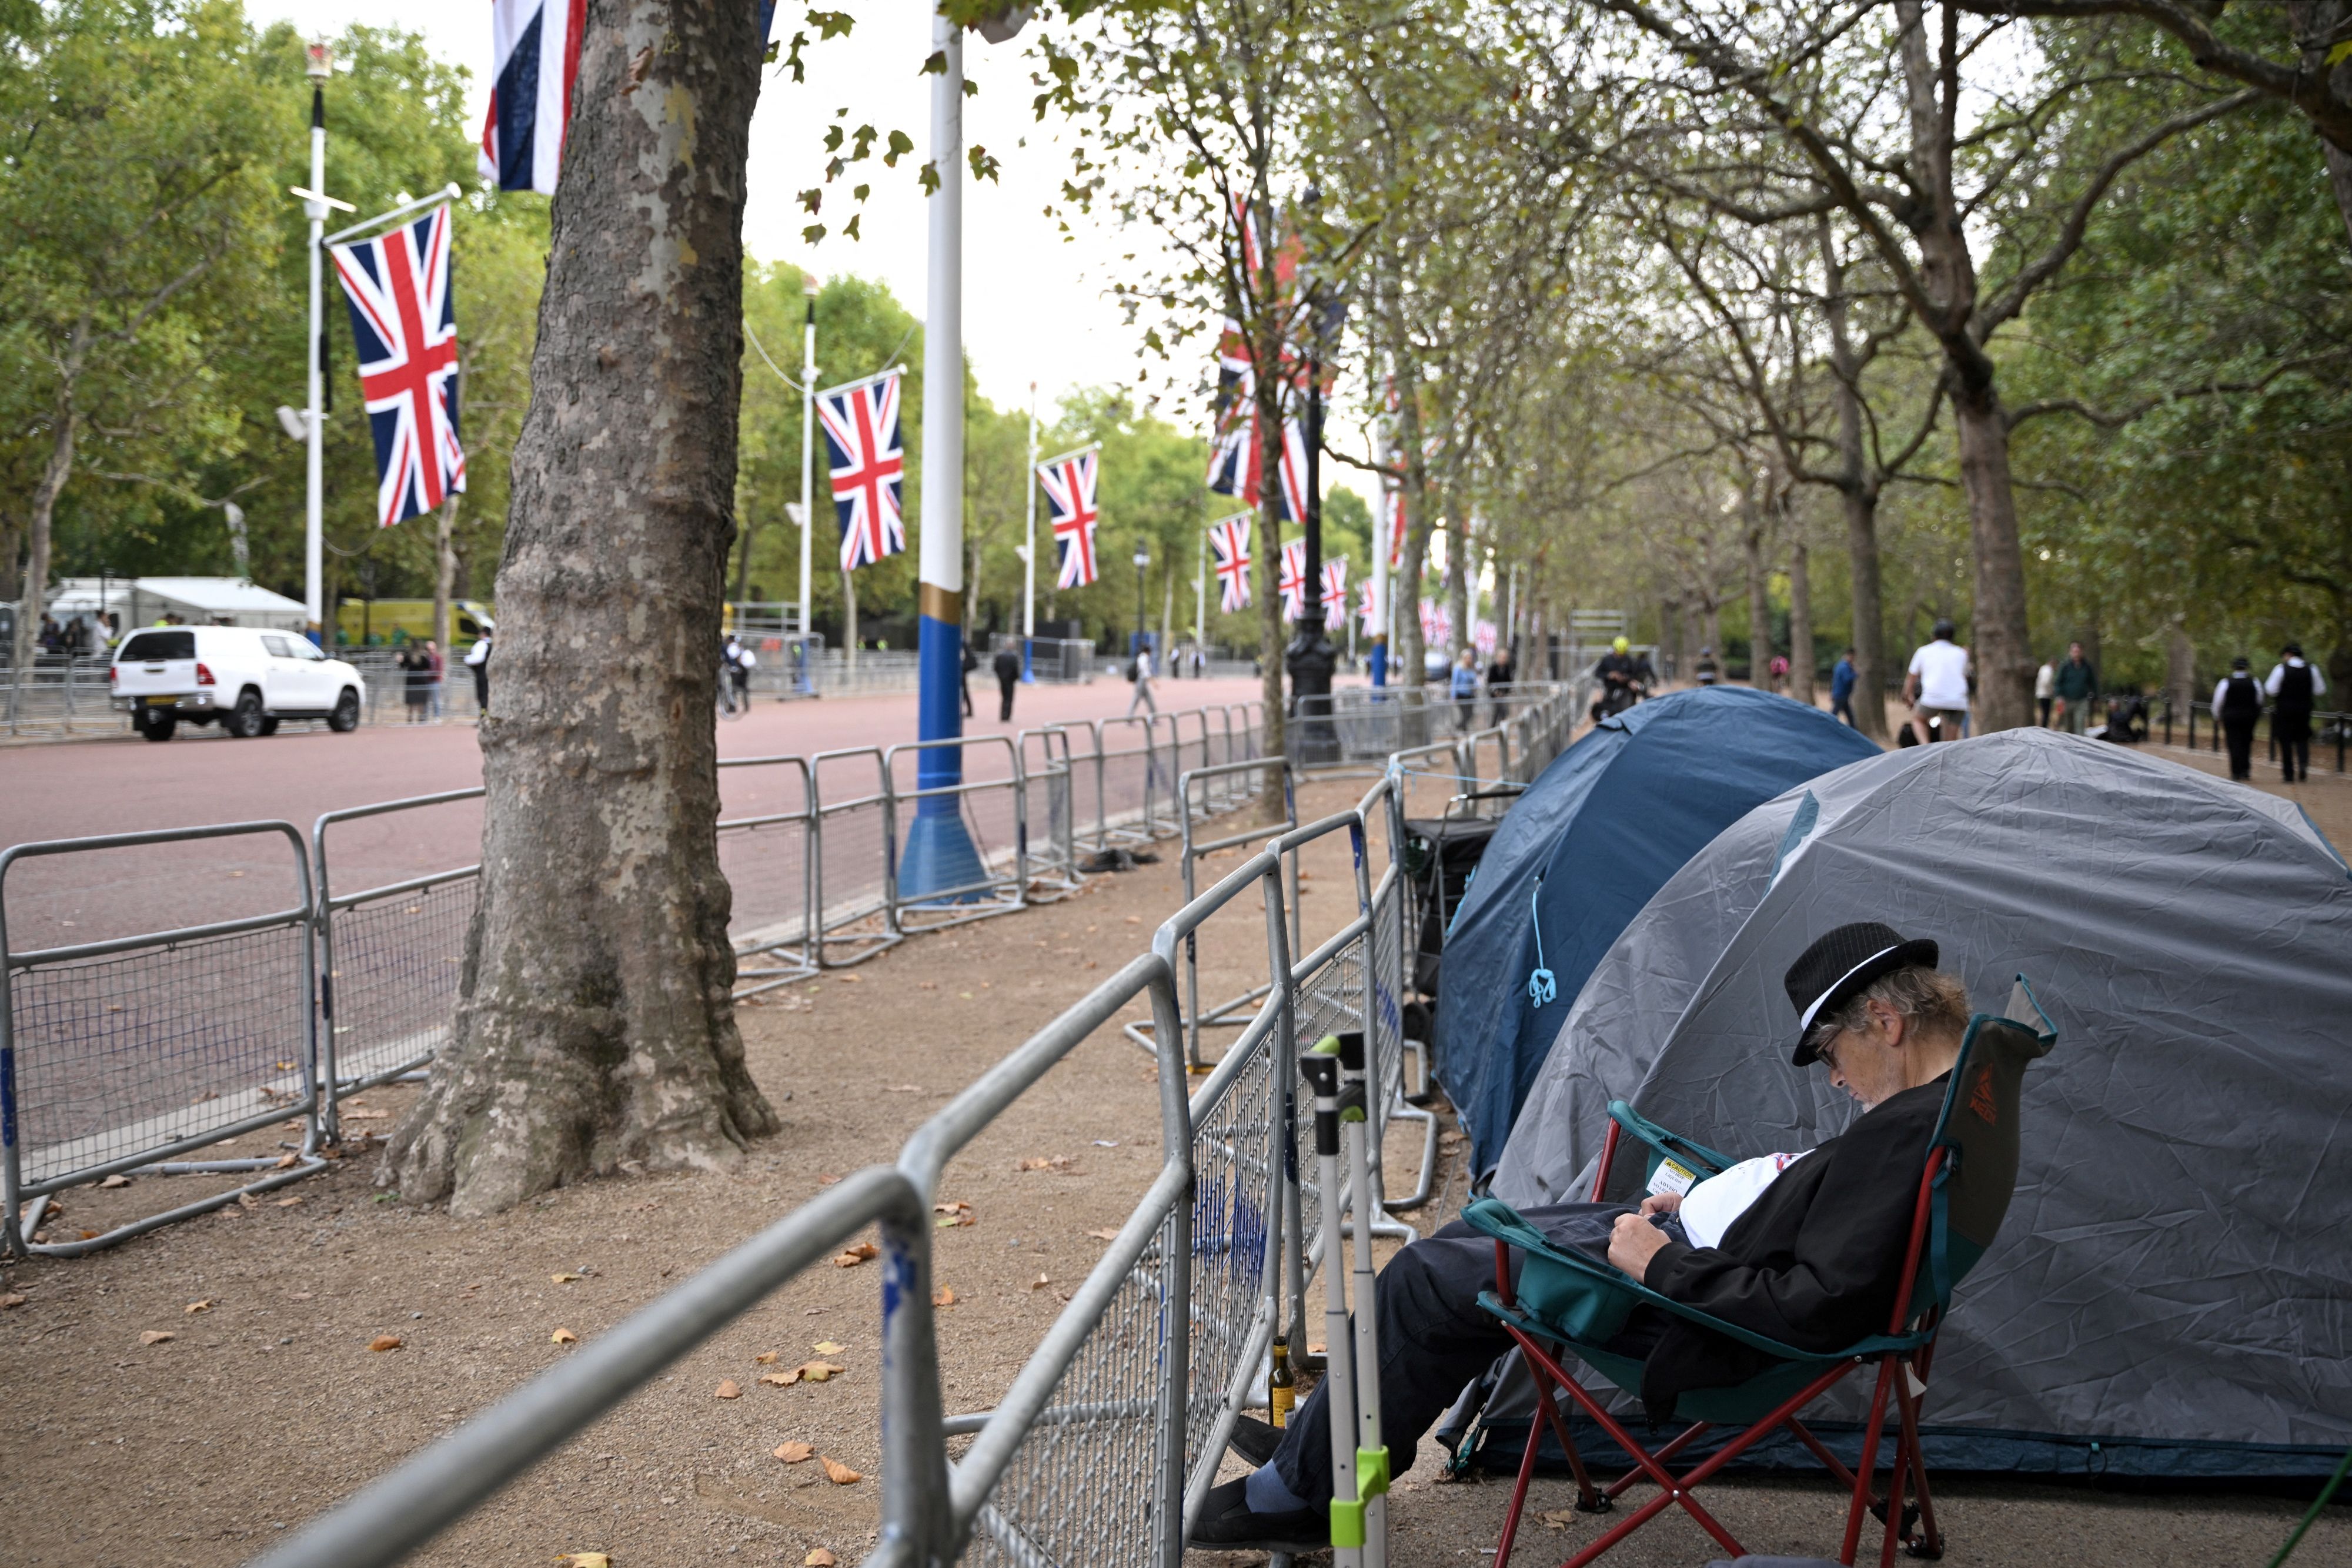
(1359, 1462)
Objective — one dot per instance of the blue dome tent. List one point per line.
(1577, 857)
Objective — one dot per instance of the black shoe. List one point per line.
(1227, 1524)
(1254, 1440)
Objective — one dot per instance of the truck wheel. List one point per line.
(346, 716)
(157, 724)
(269, 725)
(243, 721)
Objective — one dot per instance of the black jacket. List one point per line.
(1815, 1262)
(1007, 664)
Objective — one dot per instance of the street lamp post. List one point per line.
(1310, 658)
(315, 204)
(808, 468)
(1143, 565)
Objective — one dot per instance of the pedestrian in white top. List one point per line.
(1142, 681)
(1937, 688)
(477, 659)
(2045, 689)
(2293, 685)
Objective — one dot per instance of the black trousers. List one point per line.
(963, 684)
(1005, 684)
(2291, 727)
(1434, 1338)
(2238, 734)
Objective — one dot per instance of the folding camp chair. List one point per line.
(1566, 1300)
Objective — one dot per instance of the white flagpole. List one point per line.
(1029, 552)
(808, 466)
(322, 62)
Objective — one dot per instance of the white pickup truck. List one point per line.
(244, 678)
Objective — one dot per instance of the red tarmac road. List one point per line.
(73, 790)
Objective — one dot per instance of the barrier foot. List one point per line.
(940, 855)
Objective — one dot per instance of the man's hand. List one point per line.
(1633, 1242)
(1662, 1203)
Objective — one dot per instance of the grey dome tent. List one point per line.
(2172, 1293)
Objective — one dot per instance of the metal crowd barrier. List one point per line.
(1049, 852)
(850, 878)
(769, 857)
(1145, 1370)
(391, 960)
(118, 1055)
(1126, 775)
(992, 811)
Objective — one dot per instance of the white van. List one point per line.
(245, 678)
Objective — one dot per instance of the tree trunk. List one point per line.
(1997, 636)
(65, 424)
(593, 1023)
(1800, 622)
(1272, 637)
(1858, 492)
(1760, 598)
(1457, 585)
(1404, 591)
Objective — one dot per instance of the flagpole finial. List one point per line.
(319, 61)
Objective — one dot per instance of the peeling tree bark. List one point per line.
(595, 1024)
(1800, 622)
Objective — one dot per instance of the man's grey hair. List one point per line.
(1929, 999)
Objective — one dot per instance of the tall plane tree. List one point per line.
(595, 1024)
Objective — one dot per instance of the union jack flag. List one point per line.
(1335, 592)
(1290, 578)
(1436, 623)
(1482, 636)
(1229, 542)
(1366, 611)
(861, 442)
(405, 325)
(1069, 484)
(1392, 509)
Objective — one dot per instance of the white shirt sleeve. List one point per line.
(2278, 672)
(1917, 657)
(2221, 690)
(2318, 682)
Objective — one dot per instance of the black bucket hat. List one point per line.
(1839, 966)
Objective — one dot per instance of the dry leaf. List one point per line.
(561, 1279)
(781, 1379)
(117, 1179)
(192, 1308)
(287, 1202)
(826, 1180)
(820, 1558)
(563, 1336)
(585, 1560)
(245, 1200)
(852, 1257)
(769, 1357)
(849, 979)
(826, 1348)
(287, 1162)
(942, 1297)
(1558, 1519)
(795, 1453)
(1049, 1163)
(12, 1299)
(839, 1474)
(156, 1337)
(384, 1341)
(729, 1389)
(1039, 1283)
(818, 1371)
(1104, 1235)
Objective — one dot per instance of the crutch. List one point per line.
(1360, 1465)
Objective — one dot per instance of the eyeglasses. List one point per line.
(1825, 1040)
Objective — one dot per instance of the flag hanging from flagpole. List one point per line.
(1392, 509)
(1366, 610)
(1229, 542)
(1482, 636)
(404, 323)
(1290, 580)
(1436, 623)
(1070, 485)
(861, 441)
(1335, 592)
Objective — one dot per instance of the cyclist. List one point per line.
(1624, 680)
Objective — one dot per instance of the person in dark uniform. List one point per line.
(2293, 687)
(963, 678)
(1007, 665)
(2237, 706)
(1808, 1250)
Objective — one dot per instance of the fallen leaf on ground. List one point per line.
(1557, 1519)
(192, 1308)
(839, 1474)
(965, 995)
(563, 1336)
(849, 979)
(156, 1337)
(795, 1453)
(117, 1179)
(781, 1379)
(850, 1258)
(1039, 1283)
(1104, 1235)
(12, 1299)
(245, 1200)
(384, 1341)
(729, 1389)
(287, 1162)
(826, 1348)
(906, 1088)
(585, 1560)
(287, 1202)
(561, 1279)
(826, 1180)
(1049, 1163)
(820, 1558)
(942, 1297)
(769, 1357)
(818, 1371)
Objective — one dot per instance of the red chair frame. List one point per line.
(1909, 1468)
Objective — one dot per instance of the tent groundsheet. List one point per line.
(2172, 1291)
(1580, 852)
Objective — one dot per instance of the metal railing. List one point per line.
(117, 1057)
(991, 811)
(769, 855)
(2327, 729)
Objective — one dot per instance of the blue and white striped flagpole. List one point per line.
(940, 854)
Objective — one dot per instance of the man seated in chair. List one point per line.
(1804, 1248)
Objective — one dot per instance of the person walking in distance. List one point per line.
(440, 673)
(963, 680)
(2237, 704)
(416, 668)
(1007, 666)
(2045, 689)
(1464, 686)
(477, 659)
(1142, 671)
(1842, 681)
(1937, 686)
(2076, 683)
(2292, 686)
(1706, 671)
